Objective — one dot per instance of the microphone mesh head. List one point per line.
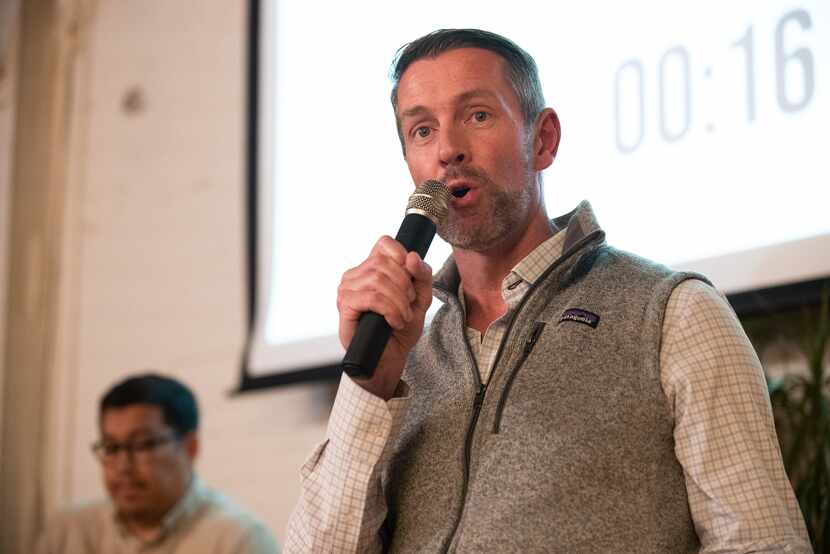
(430, 199)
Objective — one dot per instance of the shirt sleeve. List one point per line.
(342, 506)
(257, 540)
(739, 495)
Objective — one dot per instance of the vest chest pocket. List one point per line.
(557, 372)
(530, 343)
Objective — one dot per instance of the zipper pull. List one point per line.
(479, 397)
(534, 336)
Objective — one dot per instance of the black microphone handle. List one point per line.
(372, 333)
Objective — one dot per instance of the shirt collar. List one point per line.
(186, 507)
(532, 266)
(574, 227)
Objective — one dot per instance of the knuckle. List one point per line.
(392, 248)
(375, 263)
(377, 299)
(382, 279)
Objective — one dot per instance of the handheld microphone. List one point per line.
(425, 211)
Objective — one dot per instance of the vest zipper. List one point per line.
(479, 399)
(468, 448)
(538, 327)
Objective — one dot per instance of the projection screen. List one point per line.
(693, 128)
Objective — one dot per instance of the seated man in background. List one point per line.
(147, 448)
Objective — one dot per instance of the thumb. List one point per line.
(422, 280)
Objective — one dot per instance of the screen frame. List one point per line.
(257, 211)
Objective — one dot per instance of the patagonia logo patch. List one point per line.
(580, 316)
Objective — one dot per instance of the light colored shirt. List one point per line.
(202, 521)
(513, 289)
(739, 495)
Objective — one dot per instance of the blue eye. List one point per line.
(422, 132)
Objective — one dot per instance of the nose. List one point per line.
(454, 148)
(124, 459)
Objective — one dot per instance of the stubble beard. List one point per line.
(499, 216)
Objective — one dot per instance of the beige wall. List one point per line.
(152, 268)
(160, 277)
(8, 71)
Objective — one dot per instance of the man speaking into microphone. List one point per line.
(567, 397)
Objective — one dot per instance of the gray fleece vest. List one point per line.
(569, 448)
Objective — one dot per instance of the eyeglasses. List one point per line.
(137, 450)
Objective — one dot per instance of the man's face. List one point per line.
(146, 483)
(462, 124)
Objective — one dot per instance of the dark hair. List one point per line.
(521, 71)
(177, 403)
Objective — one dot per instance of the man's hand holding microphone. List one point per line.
(384, 300)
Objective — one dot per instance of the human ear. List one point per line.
(191, 445)
(546, 139)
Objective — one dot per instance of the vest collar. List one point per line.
(578, 224)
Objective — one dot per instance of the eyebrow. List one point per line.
(412, 112)
(475, 93)
(133, 434)
(463, 97)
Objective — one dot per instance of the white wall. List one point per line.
(154, 266)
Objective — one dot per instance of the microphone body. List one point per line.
(427, 208)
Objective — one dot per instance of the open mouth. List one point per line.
(461, 191)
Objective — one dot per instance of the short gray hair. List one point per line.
(522, 73)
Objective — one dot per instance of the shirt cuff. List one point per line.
(358, 417)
